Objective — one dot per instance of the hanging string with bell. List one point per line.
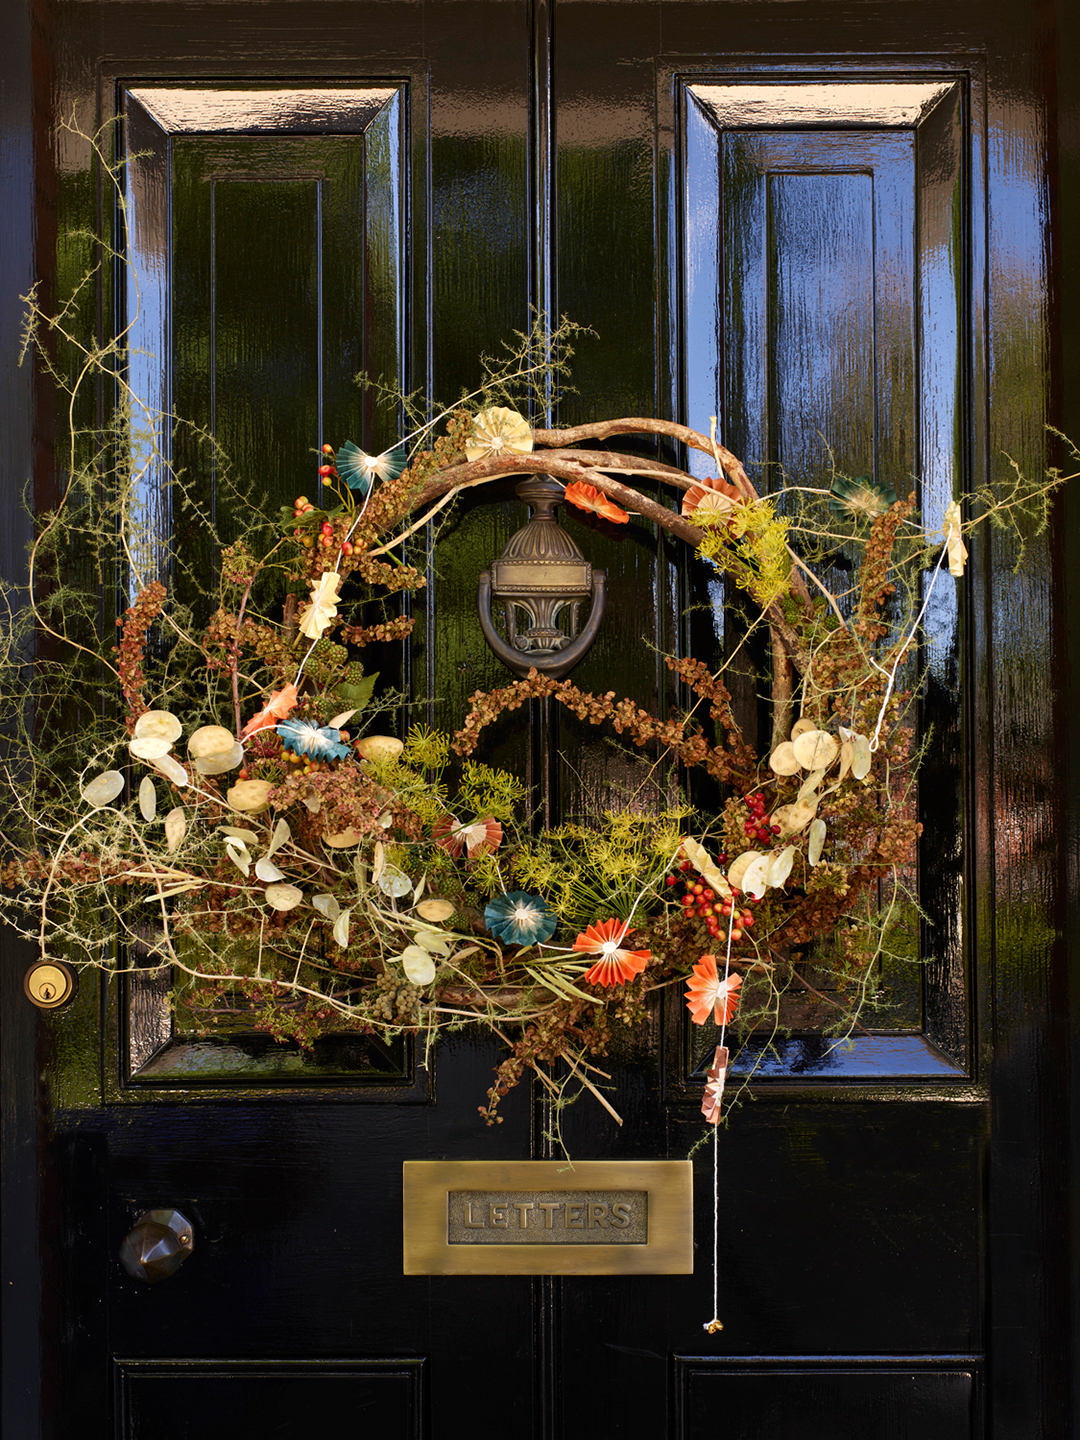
(711, 1109)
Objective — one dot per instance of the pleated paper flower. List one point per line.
(360, 470)
(499, 431)
(517, 918)
(860, 496)
(707, 994)
(321, 609)
(587, 497)
(615, 965)
(954, 539)
(305, 737)
(714, 1090)
(715, 496)
(279, 705)
(482, 837)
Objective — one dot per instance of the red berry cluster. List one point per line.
(302, 506)
(326, 538)
(329, 469)
(758, 827)
(700, 901)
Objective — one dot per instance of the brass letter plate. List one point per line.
(539, 1217)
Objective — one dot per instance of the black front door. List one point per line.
(826, 225)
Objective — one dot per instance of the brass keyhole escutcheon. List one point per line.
(49, 984)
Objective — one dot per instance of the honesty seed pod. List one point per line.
(251, 796)
(783, 760)
(418, 965)
(379, 747)
(103, 788)
(170, 767)
(434, 909)
(159, 725)
(210, 740)
(815, 749)
(149, 747)
(738, 867)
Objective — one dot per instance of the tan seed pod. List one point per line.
(435, 909)
(783, 760)
(149, 747)
(817, 841)
(158, 724)
(147, 799)
(170, 767)
(238, 853)
(341, 928)
(175, 828)
(700, 859)
(779, 867)
(801, 727)
(218, 761)
(816, 749)
(283, 897)
(103, 788)
(737, 868)
(754, 880)
(861, 760)
(379, 747)
(810, 785)
(250, 796)
(418, 965)
(210, 740)
(800, 816)
(435, 942)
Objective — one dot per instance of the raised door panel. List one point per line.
(825, 273)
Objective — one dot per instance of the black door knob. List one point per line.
(159, 1244)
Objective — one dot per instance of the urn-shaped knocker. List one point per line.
(542, 573)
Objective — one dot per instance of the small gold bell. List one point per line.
(712, 1326)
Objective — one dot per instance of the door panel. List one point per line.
(825, 285)
(185, 1400)
(891, 1400)
(597, 154)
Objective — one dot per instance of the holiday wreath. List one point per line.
(241, 808)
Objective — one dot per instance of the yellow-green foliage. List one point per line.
(600, 872)
(485, 791)
(750, 544)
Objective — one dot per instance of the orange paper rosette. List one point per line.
(716, 495)
(587, 497)
(280, 705)
(616, 965)
(482, 837)
(707, 994)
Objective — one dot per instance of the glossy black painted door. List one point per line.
(747, 239)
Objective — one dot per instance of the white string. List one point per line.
(715, 1321)
(896, 663)
(716, 1220)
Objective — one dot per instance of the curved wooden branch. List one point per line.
(637, 425)
(583, 466)
(630, 464)
(498, 467)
